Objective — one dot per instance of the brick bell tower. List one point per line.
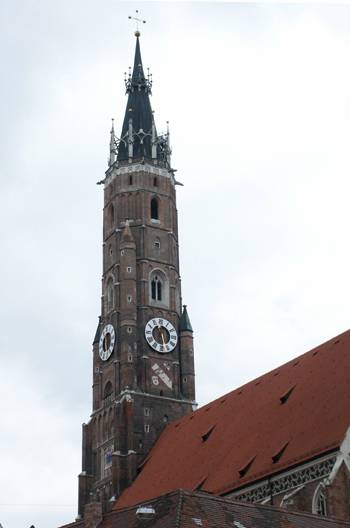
(143, 365)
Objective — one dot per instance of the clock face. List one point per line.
(106, 344)
(161, 335)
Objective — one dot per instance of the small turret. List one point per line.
(187, 356)
(185, 323)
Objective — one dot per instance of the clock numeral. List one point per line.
(168, 338)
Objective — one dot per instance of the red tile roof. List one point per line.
(184, 509)
(292, 414)
(188, 509)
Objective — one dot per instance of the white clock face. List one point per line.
(107, 341)
(161, 335)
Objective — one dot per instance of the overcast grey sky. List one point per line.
(258, 99)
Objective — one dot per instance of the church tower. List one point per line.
(143, 365)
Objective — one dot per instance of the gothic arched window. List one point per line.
(319, 503)
(159, 288)
(156, 288)
(154, 209)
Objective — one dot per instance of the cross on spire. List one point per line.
(137, 20)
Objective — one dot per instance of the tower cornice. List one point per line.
(133, 168)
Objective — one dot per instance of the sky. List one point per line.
(258, 100)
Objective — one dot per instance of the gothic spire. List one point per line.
(139, 140)
(136, 137)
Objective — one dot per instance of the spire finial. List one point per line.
(137, 20)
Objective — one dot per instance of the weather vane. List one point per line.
(137, 20)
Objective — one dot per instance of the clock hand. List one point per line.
(161, 333)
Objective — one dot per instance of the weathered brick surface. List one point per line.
(131, 418)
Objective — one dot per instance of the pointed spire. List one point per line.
(185, 323)
(168, 153)
(137, 75)
(112, 144)
(98, 332)
(136, 136)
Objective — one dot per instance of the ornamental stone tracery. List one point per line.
(287, 482)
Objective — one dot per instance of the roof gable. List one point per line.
(292, 414)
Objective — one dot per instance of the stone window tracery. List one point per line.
(319, 501)
(159, 288)
(321, 504)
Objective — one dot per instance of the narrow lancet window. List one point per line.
(321, 504)
(156, 288)
(154, 209)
